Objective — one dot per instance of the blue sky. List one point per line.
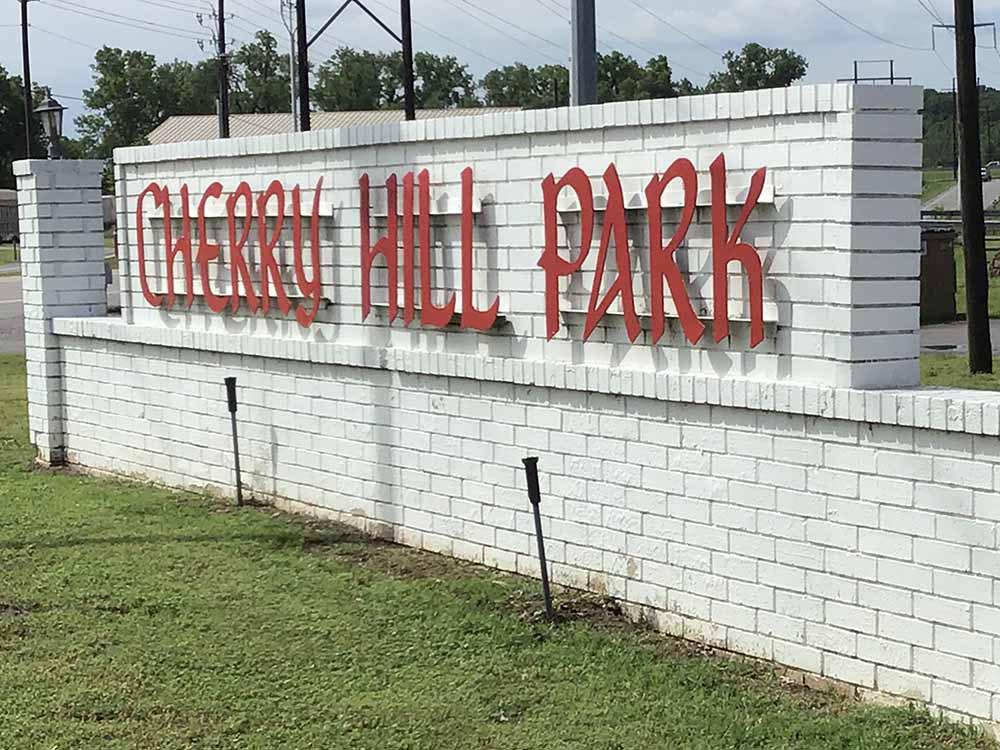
(690, 32)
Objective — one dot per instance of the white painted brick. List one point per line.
(764, 501)
(960, 698)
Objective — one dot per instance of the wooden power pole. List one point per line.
(971, 192)
(302, 45)
(223, 65)
(583, 58)
(29, 110)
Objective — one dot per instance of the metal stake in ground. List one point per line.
(231, 396)
(535, 496)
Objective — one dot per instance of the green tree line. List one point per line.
(133, 92)
(939, 109)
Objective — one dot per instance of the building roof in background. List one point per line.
(206, 127)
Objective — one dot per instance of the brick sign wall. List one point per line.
(780, 490)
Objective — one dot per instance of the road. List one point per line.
(11, 323)
(948, 200)
(12, 312)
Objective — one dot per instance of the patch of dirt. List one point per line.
(390, 559)
(16, 609)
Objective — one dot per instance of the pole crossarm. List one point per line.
(951, 26)
(363, 7)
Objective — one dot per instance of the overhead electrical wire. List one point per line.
(561, 13)
(870, 33)
(128, 21)
(503, 32)
(445, 37)
(65, 38)
(513, 25)
(678, 30)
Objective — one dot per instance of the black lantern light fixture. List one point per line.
(51, 115)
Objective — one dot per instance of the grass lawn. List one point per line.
(992, 247)
(7, 254)
(935, 182)
(952, 370)
(133, 617)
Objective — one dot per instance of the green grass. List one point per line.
(133, 617)
(935, 182)
(7, 254)
(992, 248)
(952, 370)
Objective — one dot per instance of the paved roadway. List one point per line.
(11, 324)
(12, 313)
(948, 200)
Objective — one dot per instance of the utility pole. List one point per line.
(404, 38)
(989, 134)
(223, 65)
(289, 21)
(583, 61)
(28, 99)
(971, 192)
(409, 97)
(305, 124)
(954, 131)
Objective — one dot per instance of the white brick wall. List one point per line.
(758, 500)
(777, 534)
(61, 220)
(837, 226)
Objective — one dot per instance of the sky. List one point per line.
(692, 33)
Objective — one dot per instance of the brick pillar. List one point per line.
(62, 275)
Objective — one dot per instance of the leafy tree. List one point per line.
(619, 77)
(758, 67)
(132, 94)
(518, 85)
(440, 82)
(352, 80)
(12, 141)
(259, 76)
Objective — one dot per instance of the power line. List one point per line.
(514, 25)
(667, 23)
(128, 21)
(673, 63)
(505, 33)
(178, 7)
(561, 13)
(448, 39)
(63, 37)
(932, 12)
(872, 34)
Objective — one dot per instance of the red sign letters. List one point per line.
(244, 211)
(310, 287)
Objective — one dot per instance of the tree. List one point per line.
(758, 67)
(518, 85)
(619, 78)
(259, 76)
(441, 82)
(132, 94)
(351, 80)
(12, 146)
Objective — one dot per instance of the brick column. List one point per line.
(62, 275)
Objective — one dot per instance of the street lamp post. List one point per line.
(51, 115)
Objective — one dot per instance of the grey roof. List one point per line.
(206, 127)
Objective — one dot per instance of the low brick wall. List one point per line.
(798, 500)
(860, 549)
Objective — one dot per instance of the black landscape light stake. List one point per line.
(231, 396)
(535, 496)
